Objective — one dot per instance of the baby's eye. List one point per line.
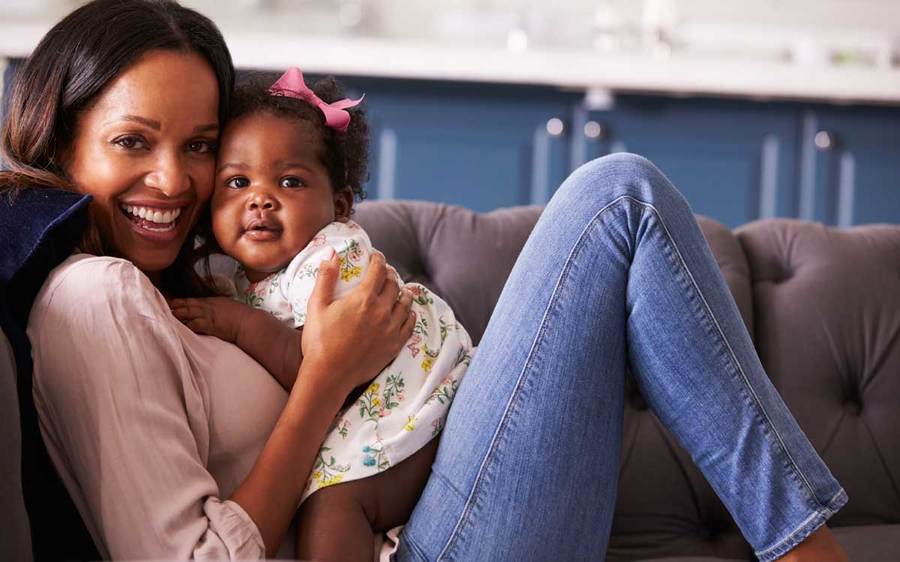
(237, 182)
(290, 181)
(130, 142)
(201, 146)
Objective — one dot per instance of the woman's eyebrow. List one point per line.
(155, 125)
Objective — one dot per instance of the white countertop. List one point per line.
(572, 69)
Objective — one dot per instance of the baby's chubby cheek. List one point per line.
(226, 221)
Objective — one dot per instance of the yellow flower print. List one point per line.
(348, 270)
(427, 363)
(370, 403)
(410, 424)
(349, 273)
(330, 481)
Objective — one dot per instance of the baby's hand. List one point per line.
(215, 316)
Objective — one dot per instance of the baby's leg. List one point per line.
(338, 523)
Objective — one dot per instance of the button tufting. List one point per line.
(852, 402)
(783, 276)
(852, 407)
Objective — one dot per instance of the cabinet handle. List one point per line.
(824, 140)
(594, 130)
(555, 127)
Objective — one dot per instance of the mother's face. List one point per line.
(144, 151)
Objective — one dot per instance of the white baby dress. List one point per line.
(405, 406)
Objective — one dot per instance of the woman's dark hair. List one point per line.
(71, 66)
(344, 154)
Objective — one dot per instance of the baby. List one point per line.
(289, 165)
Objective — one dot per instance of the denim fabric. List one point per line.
(616, 273)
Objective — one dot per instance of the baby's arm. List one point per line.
(272, 343)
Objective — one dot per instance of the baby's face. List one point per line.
(273, 193)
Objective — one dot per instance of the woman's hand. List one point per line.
(355, 337)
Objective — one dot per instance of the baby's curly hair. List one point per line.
(345, 155)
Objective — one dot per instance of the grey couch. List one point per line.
(823, 306)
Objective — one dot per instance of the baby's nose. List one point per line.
(261, 201)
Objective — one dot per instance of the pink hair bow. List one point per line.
(291, 84)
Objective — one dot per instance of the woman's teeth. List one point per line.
(163, 220)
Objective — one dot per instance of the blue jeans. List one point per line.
(615, 273)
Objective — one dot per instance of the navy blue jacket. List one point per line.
(39, 228)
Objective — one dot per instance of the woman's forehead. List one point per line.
(168, 88)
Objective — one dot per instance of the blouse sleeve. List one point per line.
(124, 419)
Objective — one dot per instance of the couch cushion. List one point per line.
(463, 256)
(870, 543)
(827, 321)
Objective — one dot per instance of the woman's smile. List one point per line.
(154, 222)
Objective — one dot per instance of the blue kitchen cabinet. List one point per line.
(479, 146)
(734, 161)
(850, 165)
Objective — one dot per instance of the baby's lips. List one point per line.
(263, 221)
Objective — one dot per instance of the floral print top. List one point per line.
(405, 406)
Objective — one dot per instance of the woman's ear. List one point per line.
(343, 204)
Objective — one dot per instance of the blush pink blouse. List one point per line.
(150, 426)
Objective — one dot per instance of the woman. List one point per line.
(122, 101)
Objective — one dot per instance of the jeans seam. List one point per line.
(740, 368)
(722, 352)
(504, 421)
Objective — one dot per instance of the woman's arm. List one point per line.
(128, 430)
(337, 342)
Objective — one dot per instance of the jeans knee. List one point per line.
(600, 181)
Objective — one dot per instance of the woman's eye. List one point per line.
(201, 146)
(291, 181)
(238, 182)
(130, 142)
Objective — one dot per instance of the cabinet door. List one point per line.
(850, 171)
(478, 146)
(734, 161)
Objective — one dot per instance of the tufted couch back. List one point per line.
(823, 307)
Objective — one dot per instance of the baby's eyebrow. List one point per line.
(238, 165)
(290, 164)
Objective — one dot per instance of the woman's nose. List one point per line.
(169, 176)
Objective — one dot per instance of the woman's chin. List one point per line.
(152, 263)
(151, 258)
